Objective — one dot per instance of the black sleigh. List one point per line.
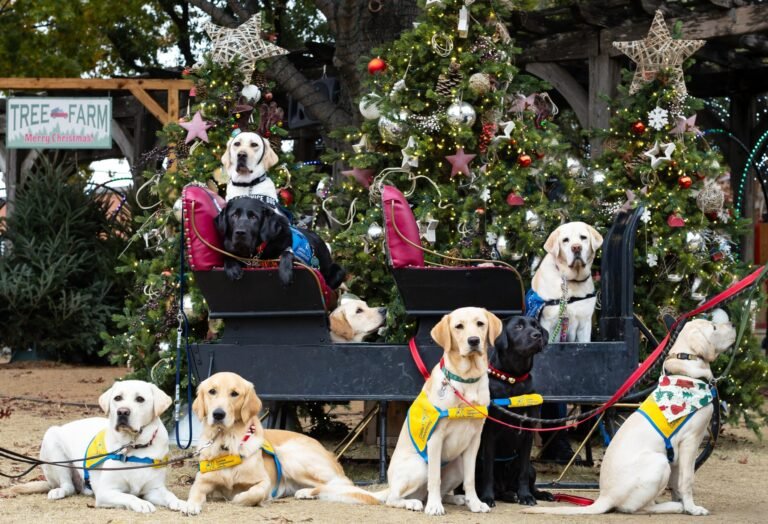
(278, 338)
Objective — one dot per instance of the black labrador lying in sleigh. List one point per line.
(504, 469)
(250, 228)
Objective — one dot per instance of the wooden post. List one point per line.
(11, 180)
(742, 121)
(603, 78)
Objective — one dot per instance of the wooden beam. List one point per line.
(566, 85)
(173, 104)
(604, 76)
(124, 142)
(579, 45)
(150, 104)
(93, 83)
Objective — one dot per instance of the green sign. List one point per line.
(59, 123)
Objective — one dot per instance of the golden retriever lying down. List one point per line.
(249, 465)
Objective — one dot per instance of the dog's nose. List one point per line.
(383, 311)
(239, 232)
(242, 154)
(123, 412)
(536, 335)
(576, 248)
(219, 414)
(473, 341)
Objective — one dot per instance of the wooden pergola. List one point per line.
(133, 130)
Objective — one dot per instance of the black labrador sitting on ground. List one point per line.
(504, 469)
(251, 228)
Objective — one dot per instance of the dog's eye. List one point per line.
(139, 399)
(251, 215)
(566, 240)
(459, 326)
(480, 323)
(518, 326)
(118, 398)
(211, 391)
(714, 327)
(359, 310)
(583, 237)
(254, 144)
(237, 144)
(234, 394)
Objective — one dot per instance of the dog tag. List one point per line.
(442, 390)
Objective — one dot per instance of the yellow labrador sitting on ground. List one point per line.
(247, 464)
(436, 453)
(353, 320)
(133, 434)
(639, 463)
(570, 252)
(246, 160)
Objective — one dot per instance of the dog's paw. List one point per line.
(141, 506)
(478, 506)
(191, 509)
(234, 272)
(488, 500)
(693, 509)
(434, 508)
(175, 504)
(544, 495)
(285, 273)
(305, 494)
(57, 493)
(526, 499)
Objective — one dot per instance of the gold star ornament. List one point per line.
(657, 51)
(244, 42)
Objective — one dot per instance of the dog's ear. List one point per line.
(699, 342)
(226, 161)
(495, 327)
(104, 400)
(552, 245)
(441, 333)
(270, 157)
(221, 223)
(270, 226)
(502, 341)
(251, 404)
(199, 406)
(161, 400)
(595, 238)
(340, 325)
(544, 334)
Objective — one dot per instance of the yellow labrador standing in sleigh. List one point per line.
(438, 444)
(657, 446)
(249, 465)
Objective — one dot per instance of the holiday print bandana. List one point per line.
(678, 396)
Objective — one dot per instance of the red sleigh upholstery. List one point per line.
(201, 207)
(430, 292)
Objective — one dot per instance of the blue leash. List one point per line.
(182, 329)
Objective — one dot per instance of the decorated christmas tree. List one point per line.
(230, 95)
(473, 144)
(656, 156)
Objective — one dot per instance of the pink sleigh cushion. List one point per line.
(397, 211)
(207, 206)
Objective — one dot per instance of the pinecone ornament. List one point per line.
(259, 79)
(446, 82)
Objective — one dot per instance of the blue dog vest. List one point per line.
(302, 249)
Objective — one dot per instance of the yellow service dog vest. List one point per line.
(423, 417)
(230, 461)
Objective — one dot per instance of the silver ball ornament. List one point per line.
(177, 209)
(532, 219)
(460, 114)
(251, 93)
(374, 231)
(393, 128)
(323, 187)
(502, 245)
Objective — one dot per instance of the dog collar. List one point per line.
(255, 181)
(451, 376)
(492, 371)
(146, 445)
(683, 356)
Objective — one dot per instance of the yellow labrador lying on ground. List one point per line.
(570, 252)
(640, 463)
(133, 434)
(247, 464)
(246, 160)
(353, 320)
(435, 453)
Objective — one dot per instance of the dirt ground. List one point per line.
(732, 484)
